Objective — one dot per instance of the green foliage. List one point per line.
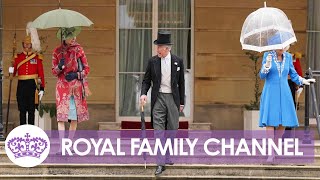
(48, 108)
(255, 103)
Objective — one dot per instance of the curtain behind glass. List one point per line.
(134, 53)
(174, 13)
(175, 16)
(135, 48)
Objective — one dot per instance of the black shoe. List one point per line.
(169, 162)
(159, 170)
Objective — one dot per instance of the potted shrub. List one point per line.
(251, 112)
(47, 111)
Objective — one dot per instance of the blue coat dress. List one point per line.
(276, 103)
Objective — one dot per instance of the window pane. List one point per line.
(174, 13)
(135, 43)
(182, 45)
(135, 14)
(135, 49)
(130, 88)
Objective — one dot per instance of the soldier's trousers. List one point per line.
(25, 97)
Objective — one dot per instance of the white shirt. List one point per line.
(165, 86)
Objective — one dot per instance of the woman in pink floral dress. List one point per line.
(72, 86)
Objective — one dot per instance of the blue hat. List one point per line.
(279, 38)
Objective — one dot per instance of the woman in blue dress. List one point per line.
(277, 109)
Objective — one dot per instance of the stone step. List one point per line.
(127, 143)
(10, 127)
(312, 126)
(172, 172)
(142, 177)
(314, 160)
(109, 126)
(200, 126)
(117, 126)
(199, 155)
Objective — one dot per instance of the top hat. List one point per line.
(164, 38)
(68, 33)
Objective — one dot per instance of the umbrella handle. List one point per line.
(297, 101)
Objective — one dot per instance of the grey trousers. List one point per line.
(165, 113)
(165, 122)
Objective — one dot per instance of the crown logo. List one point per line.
(27, 147)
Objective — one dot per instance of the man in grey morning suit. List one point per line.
(166, 73)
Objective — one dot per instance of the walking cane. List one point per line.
(14, 47)
(297, 102)
(38, 84)
(8, 108)
(39, 107)
(143, 131)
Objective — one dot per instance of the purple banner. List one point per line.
(181, 147)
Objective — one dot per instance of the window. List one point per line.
(139, 22)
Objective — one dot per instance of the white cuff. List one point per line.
(265, 70)
(301, 80)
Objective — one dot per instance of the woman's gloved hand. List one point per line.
(308, 81)
(61, 64)
(268, 61)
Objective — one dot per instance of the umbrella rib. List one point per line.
(263, 29)
(245, 30)
(276, 20)
(260, 27)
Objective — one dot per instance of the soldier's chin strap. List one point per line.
(25, 47)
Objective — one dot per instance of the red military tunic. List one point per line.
(297, 66)
(32, 69)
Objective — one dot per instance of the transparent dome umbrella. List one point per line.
(267, 29)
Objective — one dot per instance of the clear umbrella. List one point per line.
(267, 29)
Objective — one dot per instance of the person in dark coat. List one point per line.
(165, 72)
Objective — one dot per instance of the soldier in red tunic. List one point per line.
(28, 66)
(295, 89)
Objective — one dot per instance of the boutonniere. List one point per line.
(175, 63)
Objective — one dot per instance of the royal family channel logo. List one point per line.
(27, 146)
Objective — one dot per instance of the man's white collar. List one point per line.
(167, 57)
